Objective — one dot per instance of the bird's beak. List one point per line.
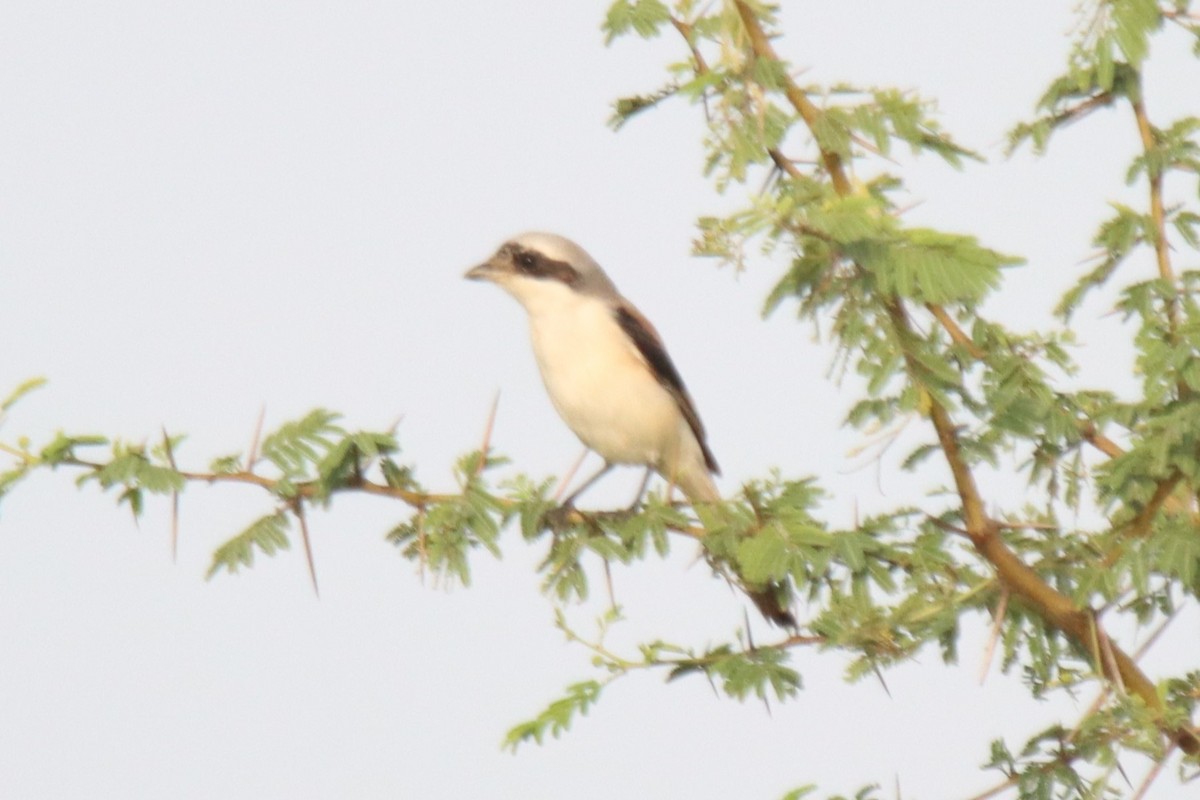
(483, 272)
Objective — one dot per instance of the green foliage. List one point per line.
(643, 17)
(266, 535)
(296, 447)
(1132, 22)
(869, 792)
(130, 468)
(761, 673)
(895, 584)
(23, 388)
(1048, 763)
(442, 534)
(557, 717)
(888, 117)
(61, 449)
(1117, 237)
(931, 267)
(1087, 86)
(342, 463)
(799, 792)
(135, 473)
(226, 465)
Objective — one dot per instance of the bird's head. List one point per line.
(534, 267)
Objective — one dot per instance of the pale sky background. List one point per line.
(210, 207)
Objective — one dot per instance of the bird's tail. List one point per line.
(771, 599)
(697, 483)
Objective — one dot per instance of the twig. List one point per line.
(565, 481)
(1162, 248)
(701, 66)
(174, 498)
(1139, 526)
(608, 583)
(1152, 638)
(957, 334)
(298, 510)
(761, 46)
(1154, 772)
(1008, 783)
(997, 624)
(1107, 653)
(485, 446)
(252, 452)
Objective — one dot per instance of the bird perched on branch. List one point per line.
(604, 366)
(607, 371)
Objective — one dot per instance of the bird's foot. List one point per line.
(560, 518)
(563, 517)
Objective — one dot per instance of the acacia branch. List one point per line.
(306, 490)
(1055, 608)
(956, 333)
(1087, 430)
(1074, 113)
(1139, 526)
(1158, 216)
(761, 46)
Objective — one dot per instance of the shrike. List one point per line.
(608, 373)
(604, 366)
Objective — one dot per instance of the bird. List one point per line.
(604, 365)
(608, 374)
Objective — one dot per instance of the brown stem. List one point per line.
(808, 111)
(1140, 525)
(305, 490)
(957, 334)
(1162, 253)
(1158, 217)
(1087, 430)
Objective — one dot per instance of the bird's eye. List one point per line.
(526, 261)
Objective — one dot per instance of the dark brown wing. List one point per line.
(648, 343)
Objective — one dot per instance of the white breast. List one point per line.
(598, 381)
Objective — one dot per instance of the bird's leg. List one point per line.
(570, 501)
(641, 490)
(570, 476)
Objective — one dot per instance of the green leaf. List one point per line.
(1118, 236)
(933, 267)
(349, 458)
(643, 17)
(11, 478)
(267, 535)
(62, 448)
(799, 792)
(763, 558)
(22, 389)
(397, 476)
(296, 447)
(129, 467)
(226, 465)
(557, 717)
(1175, 551)
(761, 673)
(442, 535)
(1133, 21)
